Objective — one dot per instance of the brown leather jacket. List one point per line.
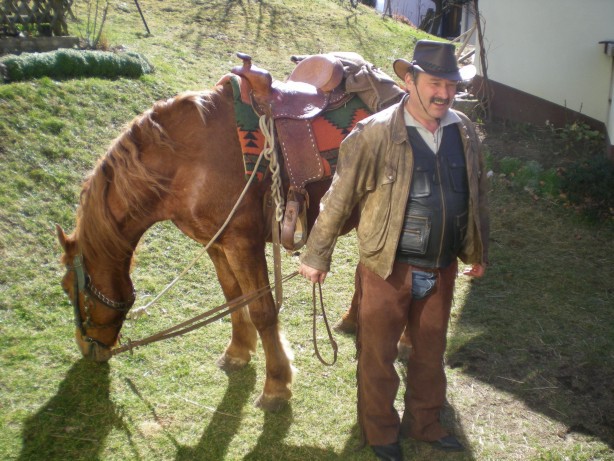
(374, 171)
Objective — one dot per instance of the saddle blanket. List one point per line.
(329, 127)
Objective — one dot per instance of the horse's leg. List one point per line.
(347, 323)
(244, 337)
(404, 346)
(248, 262)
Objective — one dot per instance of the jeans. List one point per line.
(422, 284)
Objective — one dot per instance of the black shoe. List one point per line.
(390, 452)
(448, 443)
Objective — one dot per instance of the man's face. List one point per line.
(431, 96)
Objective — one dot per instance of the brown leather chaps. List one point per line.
(385, 308)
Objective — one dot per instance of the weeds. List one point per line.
(578, 137)
(95, 14)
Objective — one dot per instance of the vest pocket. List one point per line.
(421, 182)
(458, 176)
(415, 235)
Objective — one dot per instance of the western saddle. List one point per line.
(316, 84)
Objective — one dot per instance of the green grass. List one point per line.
(531, 348)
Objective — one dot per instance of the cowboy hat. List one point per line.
(434, 58)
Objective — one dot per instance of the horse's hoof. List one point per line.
(345, 326)
(271, 403)
(230, 364)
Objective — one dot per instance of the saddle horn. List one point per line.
(259, 79)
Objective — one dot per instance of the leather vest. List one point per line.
(435, 221)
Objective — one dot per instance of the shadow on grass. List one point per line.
(270, 444)
(75, 422)
(544, 317)
(225, 422)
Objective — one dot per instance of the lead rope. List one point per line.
(333, 343)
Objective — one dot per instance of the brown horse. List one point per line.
(180, 161)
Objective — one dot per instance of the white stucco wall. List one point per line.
(550, 49)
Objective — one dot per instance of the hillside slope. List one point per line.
(530, 347)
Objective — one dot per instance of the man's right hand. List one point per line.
(311, 274)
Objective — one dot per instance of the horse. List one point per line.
(180, 161)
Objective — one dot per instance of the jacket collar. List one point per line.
(399, 132)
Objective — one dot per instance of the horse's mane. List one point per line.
(98, 232)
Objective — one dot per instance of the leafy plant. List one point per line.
(579, 136)
(27, 29)
(529, 176)
(510, 165)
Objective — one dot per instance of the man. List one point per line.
(417, 174)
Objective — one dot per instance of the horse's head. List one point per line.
(98, 319)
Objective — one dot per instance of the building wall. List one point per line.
(414, 10)
(550, 49)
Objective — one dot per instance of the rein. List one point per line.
(84, 285)
(203, 319)
(223, 310)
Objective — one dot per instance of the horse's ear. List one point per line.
(61, 237)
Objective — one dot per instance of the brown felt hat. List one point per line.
(434, 58)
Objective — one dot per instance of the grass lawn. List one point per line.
(530, 360)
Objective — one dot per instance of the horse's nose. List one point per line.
(92, 350)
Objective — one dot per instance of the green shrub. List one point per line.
(510, 165)
(529, 174)
(65, 63)
(550, 183)
(588, 186)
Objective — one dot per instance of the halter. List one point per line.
(83, 284)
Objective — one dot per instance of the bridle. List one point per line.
(83, 284)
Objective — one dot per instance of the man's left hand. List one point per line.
(476, 270)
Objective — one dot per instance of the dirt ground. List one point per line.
(524, 143)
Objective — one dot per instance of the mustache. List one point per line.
(445, 101)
